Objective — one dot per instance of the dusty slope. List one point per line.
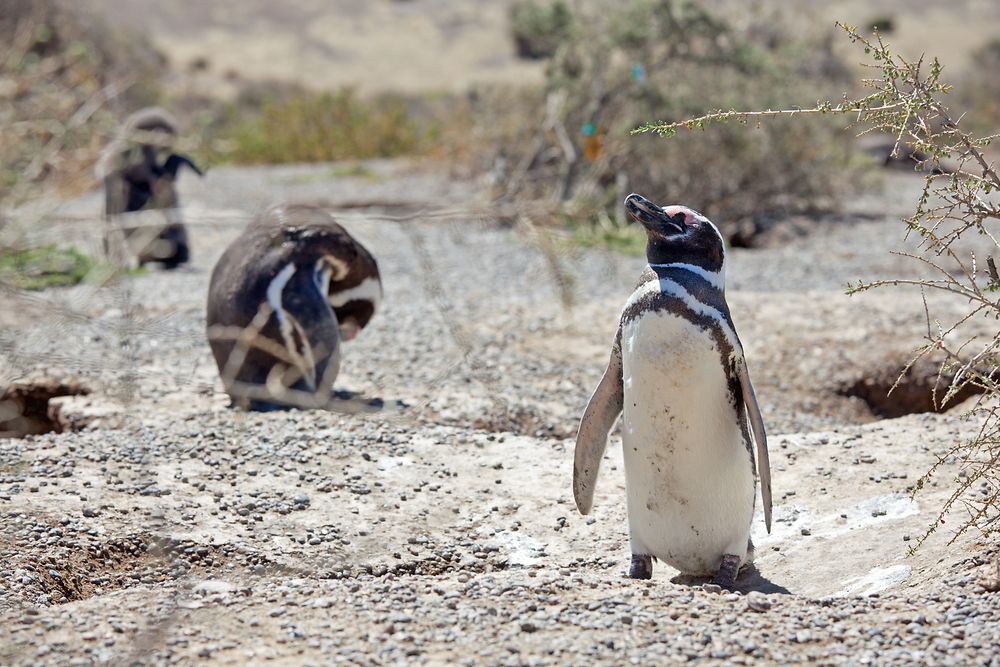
(435, 45)
(179, 529)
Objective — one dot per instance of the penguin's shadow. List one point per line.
(341, 400)
(750, 580)
(351, 402)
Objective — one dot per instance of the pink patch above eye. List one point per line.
(689, 219)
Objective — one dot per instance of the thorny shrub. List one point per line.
(907, 101)
(666, 59)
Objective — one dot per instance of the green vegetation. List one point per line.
(602, 231)
(39, 268)
(324, 127)
(906, 100)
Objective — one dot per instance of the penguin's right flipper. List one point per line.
(760, 439)
(592, 438)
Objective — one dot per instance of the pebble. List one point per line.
(757, 601)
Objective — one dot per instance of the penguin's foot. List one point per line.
(726, 576)
(641, 567)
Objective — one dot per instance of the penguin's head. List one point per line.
(678, 234)
(342, 270)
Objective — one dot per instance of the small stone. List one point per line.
(278, 611)
(758, 601)
(989, 577)
(806, 531)
(90, 512)
(712, 588)
(528, 626)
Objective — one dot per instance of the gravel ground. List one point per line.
(169, 528)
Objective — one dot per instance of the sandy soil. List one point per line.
(439, 45)
(171, 528)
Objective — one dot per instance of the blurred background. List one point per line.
(532, 100)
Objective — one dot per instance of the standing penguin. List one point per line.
(678, 376)
(140, 174)
(281, 298)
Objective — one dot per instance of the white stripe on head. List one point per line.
(725, 254)
(370, 289)
(716, 279)
(673, 289)
(339, 266)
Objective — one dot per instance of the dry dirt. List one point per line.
(442, 45)
(165, 527)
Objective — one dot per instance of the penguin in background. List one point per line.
(282, 298)
(690, 420)
(140, 174)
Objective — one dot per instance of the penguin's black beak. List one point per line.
(652, 217)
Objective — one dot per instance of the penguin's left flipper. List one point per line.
(592, 438)
(759, 437)
(175, 161)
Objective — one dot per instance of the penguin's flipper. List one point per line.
(592, 438)
(175, 161)
(760, 439)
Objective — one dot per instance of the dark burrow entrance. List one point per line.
(25, 409)
(915, 392)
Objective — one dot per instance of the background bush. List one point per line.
(57, 98)
(539, 28)
(667, 59)
(319, 127)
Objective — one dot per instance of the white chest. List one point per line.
(689, 476)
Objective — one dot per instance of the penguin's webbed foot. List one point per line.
(726, 577)
(641, 567)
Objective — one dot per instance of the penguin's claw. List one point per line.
(726, 577)
(641, 567)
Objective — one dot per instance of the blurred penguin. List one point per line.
(139, 170)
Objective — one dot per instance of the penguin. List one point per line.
(140, 174)
(690, 419)
(282, 297)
